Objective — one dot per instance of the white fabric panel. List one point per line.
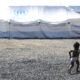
(39, 31)
(4, 29)
(75, 31)
(24, 28)
(75, 22)
(24, 14)
(25, 31)
(49, 14)
(53, 14)
(42, 30)
(4, 26)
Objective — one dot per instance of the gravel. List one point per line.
(36, 59)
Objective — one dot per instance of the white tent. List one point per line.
(40, 22)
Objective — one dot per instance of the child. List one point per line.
(74, 56)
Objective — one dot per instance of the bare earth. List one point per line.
(36, 59)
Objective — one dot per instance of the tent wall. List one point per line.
(4, 29)
(75, 31)
(40, 22)
(39, 30)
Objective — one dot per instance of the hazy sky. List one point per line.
(40, 2)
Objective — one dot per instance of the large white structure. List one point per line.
(39, 22)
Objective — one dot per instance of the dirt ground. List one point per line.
(36, 59)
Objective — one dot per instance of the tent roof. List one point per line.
(47, 14)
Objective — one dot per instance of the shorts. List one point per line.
(74, 58)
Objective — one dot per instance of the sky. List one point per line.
(39, 3)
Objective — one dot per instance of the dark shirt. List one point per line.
(74, 53)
